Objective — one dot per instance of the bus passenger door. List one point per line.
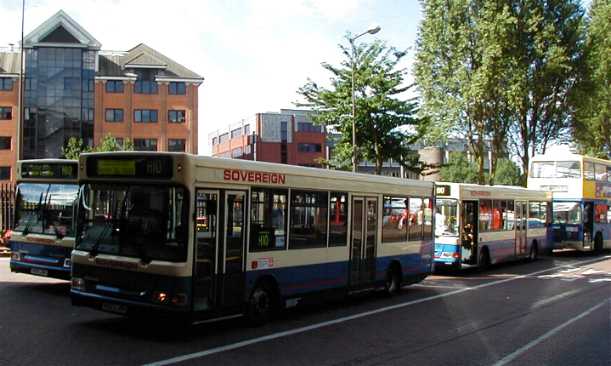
(363, 241)
(588, 223)
(206, 248)
(521, 223)
(469, 231)
(234, 238)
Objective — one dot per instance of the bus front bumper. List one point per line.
(40, 269)
(121, 306)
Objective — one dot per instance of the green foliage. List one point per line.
(499, 71)
(592, 98)
(385, 122)
(459, 169)
(508, 173)
(75, 147)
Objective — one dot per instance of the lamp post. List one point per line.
(372, 30)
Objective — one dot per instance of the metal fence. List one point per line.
(7, 206)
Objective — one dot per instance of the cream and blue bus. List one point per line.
(210, 238)
(581, 186)
(45, 204)
(479, 225)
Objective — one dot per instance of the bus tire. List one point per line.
(484, 259)
(598, 243)
(392, 283)
(534, 252)
(261, 304)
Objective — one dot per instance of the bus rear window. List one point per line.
(567, 213)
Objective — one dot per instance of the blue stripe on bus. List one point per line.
(42, 256)
(298, 280)
(498, 249)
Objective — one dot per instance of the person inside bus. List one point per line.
(468, 236)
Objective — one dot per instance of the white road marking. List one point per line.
(344, 319)
(549, 300)
(520, 351)
(437, 286)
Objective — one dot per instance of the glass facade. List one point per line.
(59, 99)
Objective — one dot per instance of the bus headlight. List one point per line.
(16, 256)
(160, 297)
(67, 263)
(78, 284)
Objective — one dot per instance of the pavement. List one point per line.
(555, 311)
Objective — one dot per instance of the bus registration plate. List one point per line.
(39, 272)
(114, 308)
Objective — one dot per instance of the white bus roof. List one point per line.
(476, 191)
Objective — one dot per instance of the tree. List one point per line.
(508, 173)
(545, 54)
(75, 147)
(499, 71)
(592, 98)
(385, 122)
(459, 70)
(459, 169)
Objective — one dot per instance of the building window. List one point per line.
(145, 115)
(223, 138)
(268, 212)
(6, 113)
(308, 148)
(87, 114)
(307, 127)
(146, 87)
(5, 142)
(88, 85)
(115, 86)
(5, 172)
(214, 141)
(177, 88)
(176, 145)
(236, 133)
(236, 153)
(114, 115)
(6, 84)
(308, 219)
(176, 116)
(145, 144)
(247, 129)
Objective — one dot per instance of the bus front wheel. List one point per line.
(392, 285)
(598, 243)
(260, 305)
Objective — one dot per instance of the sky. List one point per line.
(253, 54)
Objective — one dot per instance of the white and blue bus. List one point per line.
(479, 225)
(45, 204)
(581, 186)
(211, 238)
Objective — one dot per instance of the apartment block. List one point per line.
(286, 137)
(73, 88)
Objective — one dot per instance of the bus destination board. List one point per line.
(442, 190)
(49, 170)
(159, 167)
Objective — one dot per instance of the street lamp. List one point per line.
(372, 30)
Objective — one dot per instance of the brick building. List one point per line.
(287, 137)
(72, 88)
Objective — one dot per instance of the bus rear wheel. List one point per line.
(534, 252)
(392, 285)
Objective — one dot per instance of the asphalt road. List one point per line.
(556, 311)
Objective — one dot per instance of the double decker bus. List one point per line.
(45, 205)
(481, 225)
(205, 238)
(581, 186)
